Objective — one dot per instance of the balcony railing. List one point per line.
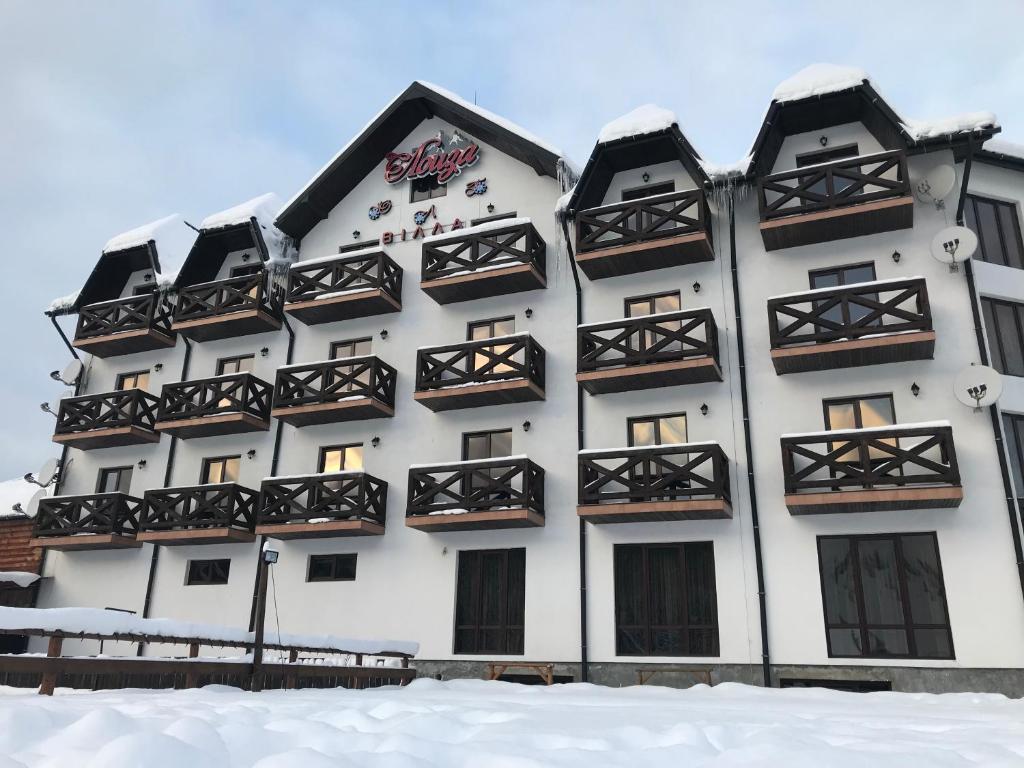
(123, 417)
(648, 233)
(322, 505)
(346, 389)
(95, 521)
(652, 351)
(221, 405)
(845, 198)
(471, 495)
(503, 369)
(908, 466)
(200, 514)
(226, 308)
(479, 263)
(327, 290)
(663, 482)
(868, 323)
(125, 326)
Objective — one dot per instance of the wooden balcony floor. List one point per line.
(877, 350)
(228, 325)
(331, 413)
(107, 438)
(210, 426)
(489, 282)
(838, 223)
(187, 537)
(650, 376)
(87, 541)
(656, 511)
(479, 395)
(645, 256)
(125, 343)
(874, 500)
(330, 529)
(477, 521)
(372, 301)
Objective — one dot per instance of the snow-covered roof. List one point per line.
(21, 578)
(172, 237)
(262, 208)
(949, 126)
(722, 171)
(16, 491)
(818, 80)
(1004, 148)
(647, 118)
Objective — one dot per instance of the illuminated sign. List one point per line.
(432, 158)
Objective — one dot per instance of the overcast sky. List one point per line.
(113, 114)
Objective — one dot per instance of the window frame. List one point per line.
(223, 361)
(832, 154)
(656, 419)
(901, 576)
(430, 192)
(971, 203)
(995, 337)
(334, 558)
(120, 380)
(489, 434)
(507, 627)
(353, 342)
(246, 269)
(839, 272)
(104, 471)
(629, 195)
(212, 564)
(470, 325)
(650, 298)
(208, 461)
(325, 449)
(1013, 431)
(856, 400)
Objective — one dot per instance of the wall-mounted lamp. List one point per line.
(384, 333)
(696, 287)
(375, 441)
(265, 351)
(490, 207)
(246, 256)
(158, 367)
(46, 407)
(896, 256)
(915, 390)
(823, 140)
(251, 453)
(526, 426)
(528, 312)
(147, 277)
(704, 409)
(141, 464)
(646, 177)
(355, 234)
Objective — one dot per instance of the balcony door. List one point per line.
(350, 348)
(839, 276)
(490, 601)
(489, 329)
(238, 364)
(222, 469)
(828, 155)
(248, 270)
(133, 380)
(861, 413)
(336, 458)
(647, 431)
(654, 304)
(114, 480)
(477, 446)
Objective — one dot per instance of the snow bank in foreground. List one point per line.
(476, 723)
(647, 118)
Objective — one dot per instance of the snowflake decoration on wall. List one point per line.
(477, 187)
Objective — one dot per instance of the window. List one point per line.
(338, 458)
(829, 155)
(486, 445)
(1004, 326)
(490, 601)
(207, 572)
(331, 568)
(488, 329)
(998, 230)
(1013, 428)
(426, 188)
(494, 217)
(145, 288)
(239, 364)
(884, 597)
(220, 470)
(859, 413)
(835, 277)
(114, 480)
(253, 268)
(657, 430)
(135, 380)
(665, 601)
(350, 348)
(654, 304)
(648, 190)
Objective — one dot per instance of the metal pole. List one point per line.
(256, 683)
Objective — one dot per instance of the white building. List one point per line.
(379, 378)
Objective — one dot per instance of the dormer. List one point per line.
(640, 204)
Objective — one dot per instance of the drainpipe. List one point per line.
(766, 669)
(171, 450)
(993, 410)
(580, 444)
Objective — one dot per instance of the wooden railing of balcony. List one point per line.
(640, 221)
(93, 521)
(244, 304)
(345, 287)
(335, 390)
(899, 467)
(661, 482)
(326, 504)
(188, 515)
(233, 402)
(123, 417)
(493, 248)
(491, 493)
(135, 323)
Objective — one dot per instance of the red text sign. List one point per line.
(429, 159)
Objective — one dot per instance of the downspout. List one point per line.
(580, 444)
(171, 451)
(993, 410)
(766, 669)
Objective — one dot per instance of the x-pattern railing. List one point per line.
(649, 218)
(109, 410)
(665, 337)
(657, 473)
(220, 297)
(230, 393)
(99, 513)
(870, 458)
(504, 246)
(345, 274)
(334, 380)
(480, 362)
(476, 486)
(216, 505)
(134, 313)
(832, 185)
(330, 496)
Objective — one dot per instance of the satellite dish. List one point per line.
(978, 386)
(48, 471)
(935, 185)
(72, 371)
(953, 245)
(33, 504)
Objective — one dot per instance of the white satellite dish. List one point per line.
(978, 386)
(71, 371)
(953, 245)
(33, 504)
(48, 471)
(935, 185)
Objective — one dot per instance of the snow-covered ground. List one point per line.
(476, 724)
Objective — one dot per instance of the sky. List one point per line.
(115, 113)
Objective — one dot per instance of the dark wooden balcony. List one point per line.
(223, 309)
(909, 466)
(125, 326)
(662, 350)
(640, 235)
(107, 420)
(222, 405)
(344, 287)
(347, 389)
(831, 201)
(504, 369)
(477, 264)
(476, 495)
(654, 483)
(887, 321)
(322, 506)
(95, 521)
(217, 513)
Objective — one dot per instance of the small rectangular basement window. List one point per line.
(207, 572)
(332, 567)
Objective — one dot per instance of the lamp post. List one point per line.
(268, 557)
